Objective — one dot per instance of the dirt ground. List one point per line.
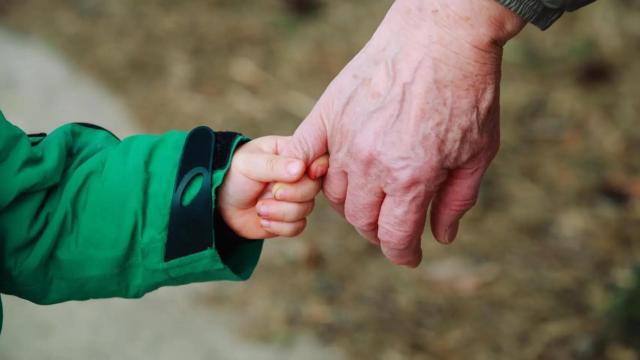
(554, 234)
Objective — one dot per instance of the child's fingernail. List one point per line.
(295, 168)
(277, 191)
(265, 223)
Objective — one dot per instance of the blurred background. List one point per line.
(543, 267)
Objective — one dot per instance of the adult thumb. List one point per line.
(309, 141)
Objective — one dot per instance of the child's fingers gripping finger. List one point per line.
(284, 211)
(301, 191)
(286, 229)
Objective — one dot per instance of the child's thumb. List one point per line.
(272, 168)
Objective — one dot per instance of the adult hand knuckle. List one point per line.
(363, 153)
(406, 178)
(395, 238)
(333, 195)
(359, 219)
(304, 149)
(463, 204)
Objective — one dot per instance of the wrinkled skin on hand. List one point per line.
(412, 122)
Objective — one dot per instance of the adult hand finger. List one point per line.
(457, 195)
(400, 227)
(318, 167)
(335, 189)
(309, 141)
(362, 207)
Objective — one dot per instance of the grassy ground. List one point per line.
(556, 229)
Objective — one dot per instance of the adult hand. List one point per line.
(412, 121)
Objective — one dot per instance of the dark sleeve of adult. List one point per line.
(543, 13)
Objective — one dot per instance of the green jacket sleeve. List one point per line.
(84, 215)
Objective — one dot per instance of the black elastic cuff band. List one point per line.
(192, 226)
(226, 240)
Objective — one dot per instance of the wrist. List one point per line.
(483, 24)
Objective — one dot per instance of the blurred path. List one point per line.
(40, 90)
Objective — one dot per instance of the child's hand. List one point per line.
(255, 210)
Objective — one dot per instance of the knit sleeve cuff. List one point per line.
(533, 11)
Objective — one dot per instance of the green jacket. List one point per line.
(84, 215)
